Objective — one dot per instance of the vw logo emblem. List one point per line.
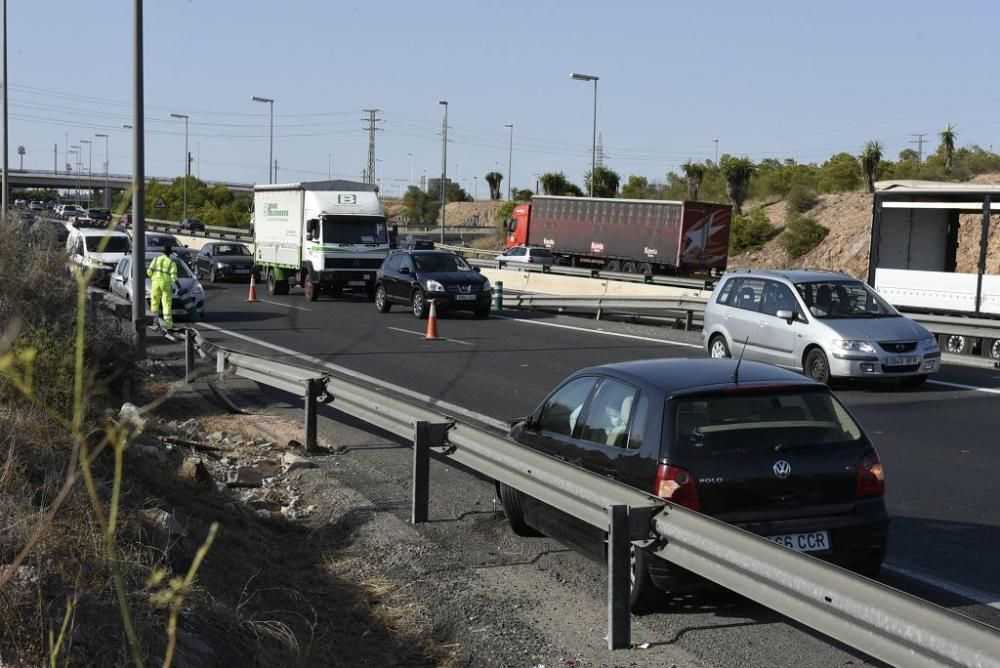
(782, 469)
(466, 288)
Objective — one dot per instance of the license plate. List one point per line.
(355, 282)
(814, 541)
(902, 360)
(242, 270)
(465, 298)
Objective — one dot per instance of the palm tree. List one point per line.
(494, 179)
(738, 172)
(871, 159)
(554, 183)
(695, 174)
(948, 144)
(605, 184)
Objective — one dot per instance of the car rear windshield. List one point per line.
(734, 423)
(440, 263)
(113, 245)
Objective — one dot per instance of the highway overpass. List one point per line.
(26, 178)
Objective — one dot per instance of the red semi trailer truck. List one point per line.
(634, 236)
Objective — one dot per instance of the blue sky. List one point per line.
(768, 79)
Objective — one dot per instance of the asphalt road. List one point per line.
(935, 442)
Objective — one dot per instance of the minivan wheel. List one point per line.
(644, 596)
(817, 367)
(381, 303)
(717, 347)
(510, 499)
(419, 304)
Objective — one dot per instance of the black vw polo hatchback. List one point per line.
(765, 449)
(414, 277)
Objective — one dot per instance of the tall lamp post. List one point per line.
(78, 153)
(593, 149)
(90, 170)
(187, 163)
(138, 184)
(510, 156)
(716, 141)
(270, 151)
(444, 164)
(107, 169)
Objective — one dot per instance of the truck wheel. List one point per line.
(418, 302)
(614, 265)
(816, 366)
(991, 348)
(628, 268)
(645, 268)
(956, 344)
(381, 303)
(272, 286)
(310, 287)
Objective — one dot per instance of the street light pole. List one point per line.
(593, 149)
(411, 168)
(107, 169)
(187, 163)
(90, 170)
(78, 152)
(270, 151)
(444, 164)
(510, 156)
(716, 152)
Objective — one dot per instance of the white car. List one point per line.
(527, 255)
(98, 249)
(121, 285)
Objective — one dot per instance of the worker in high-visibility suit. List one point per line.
(163, 271)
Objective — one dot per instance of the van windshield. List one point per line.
(759, 422)
(354, 230)
(114, 244)
(843, 299)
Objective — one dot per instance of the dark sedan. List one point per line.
(224, 261)
(757, 446)
(414, 277)
(191, 225)
(155, 241)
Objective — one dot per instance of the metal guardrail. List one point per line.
(691, 308)
(869, 616)
(582, 272)
(211, 231)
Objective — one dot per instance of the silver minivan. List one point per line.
(825, 324)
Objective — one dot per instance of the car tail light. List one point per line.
(871, 479)
(677, 485)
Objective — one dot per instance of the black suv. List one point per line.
(768, 451)
(414, 277)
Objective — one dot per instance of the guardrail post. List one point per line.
(310, 400)
(421, 471)
(619, 617)
(188, 356)
(220, 362)
(689, 321)
(498, 296)
(599, 310)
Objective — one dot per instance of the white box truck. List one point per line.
(915, 244)
(323, 235)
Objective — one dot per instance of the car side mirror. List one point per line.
(786, 315)
(404, 270)
(475, 269)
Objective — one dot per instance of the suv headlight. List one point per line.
(856, 346)
(486, 285)
(930, 343)
(433, 286)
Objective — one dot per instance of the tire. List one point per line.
(370, 293)
(418, 304)
(510, 499)
(310, 287)
(956, 344)
(816, 366)
(645, 268)
(913, 381)
(628, 268)
(272, 285)
(991, 348)
(614, 265)
(718, 348)
(482, 312)
(382, 304)
(212, 278)
(644, 596)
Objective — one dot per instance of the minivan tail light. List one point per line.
(871, 479)
(677, 485)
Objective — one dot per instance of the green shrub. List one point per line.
(749, 232)
(800, 200)
(801, 235)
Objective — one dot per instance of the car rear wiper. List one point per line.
(784, 447)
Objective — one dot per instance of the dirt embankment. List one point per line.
(848, 217)
(472, 214)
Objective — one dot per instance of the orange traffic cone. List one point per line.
(253, 289)
(432, 324)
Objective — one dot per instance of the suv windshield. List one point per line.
(843, 299)
(354, 230)
(440, 263)
(113, 245)
(758, 422)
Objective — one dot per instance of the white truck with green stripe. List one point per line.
(322, 235)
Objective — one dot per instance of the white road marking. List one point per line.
(443, 405)
(441, 338)
(297, 308)
(961, 386)
(977, 595)
(599, 331)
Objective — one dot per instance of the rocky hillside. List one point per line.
(848, 217)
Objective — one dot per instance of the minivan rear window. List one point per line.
(733, 423)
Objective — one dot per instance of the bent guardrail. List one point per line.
(876, 619)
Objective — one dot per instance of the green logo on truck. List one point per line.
(271, 209)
